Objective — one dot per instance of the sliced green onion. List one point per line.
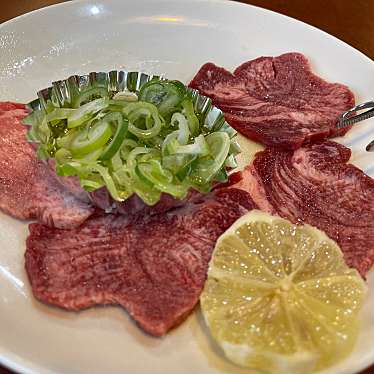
(90, 139)
(127, 146)
(179, 120)
(165, 95)
(162, 179)
(33, 118)
(146, 115)
(157, 144)
(39, 130)
(221, 176)
(64, 141)
(169, 145)
(108, 180)
(231, 162)
(123, 178)
(179, 164)
(116, 162)
(149, 195)
(89, 93)
(193, 121)
(121, 130)
(153, 154)
(234, 147)
(68, 169)
(42, 153)
(131, 158)
(49, 107)
(199, 147)
(130, 143)
(85, 112)
(59, 114)
(126, 96)
(219, 145)
(63, 156)
(91, 184)
(90, 157)
(145, 190)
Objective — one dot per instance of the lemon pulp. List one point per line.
(279, 297)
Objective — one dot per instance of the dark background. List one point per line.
(349, 20)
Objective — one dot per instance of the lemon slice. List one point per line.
(279, 297)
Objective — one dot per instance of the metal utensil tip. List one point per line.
(350, 117)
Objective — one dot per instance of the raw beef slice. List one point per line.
(277, 101)
(28, 188)
(155, 268)
(315, 185)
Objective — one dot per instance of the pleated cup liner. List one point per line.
(61, 93)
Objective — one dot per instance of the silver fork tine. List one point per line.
(350, 117)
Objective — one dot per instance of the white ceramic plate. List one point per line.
(156, 36)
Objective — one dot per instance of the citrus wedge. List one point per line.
(279, 297)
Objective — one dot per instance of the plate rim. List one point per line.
(238, 3)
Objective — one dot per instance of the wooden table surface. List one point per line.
(351, 21)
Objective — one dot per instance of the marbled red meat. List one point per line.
(155, 267)
(28, 188)
(315, 185)
(277, 101)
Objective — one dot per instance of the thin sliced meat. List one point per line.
(315, 185)
(277, 101)
(28, 188)
(70, 184)
(155, 268)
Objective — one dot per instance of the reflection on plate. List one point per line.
(157, 36)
